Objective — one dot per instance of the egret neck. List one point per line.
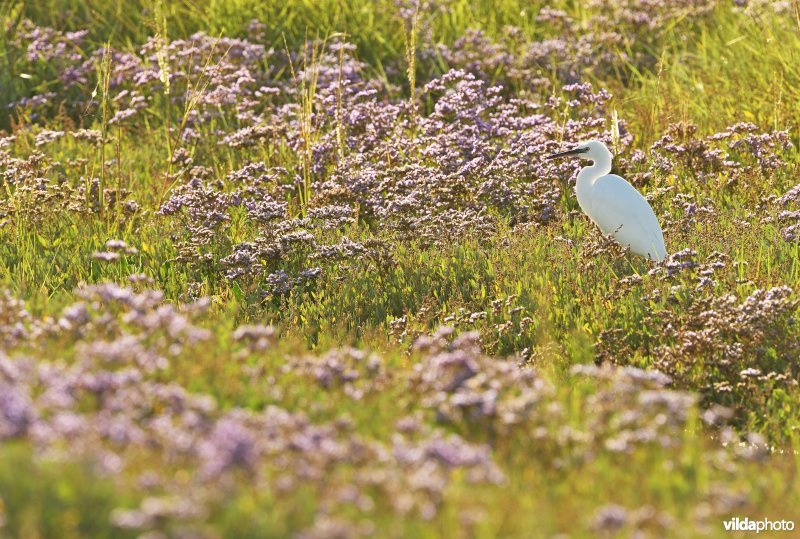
(601, 165)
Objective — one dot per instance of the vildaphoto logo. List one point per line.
(737, 524)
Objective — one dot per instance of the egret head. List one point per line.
(593, 150)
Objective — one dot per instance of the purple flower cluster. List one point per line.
(612, 37)
(106, 399)
(449, 164)
(746, 153)
(625, 409)
(735, 352)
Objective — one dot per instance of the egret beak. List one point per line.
(576, 151)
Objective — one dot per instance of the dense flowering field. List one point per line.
(304, 271)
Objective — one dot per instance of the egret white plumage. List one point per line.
(614, 205)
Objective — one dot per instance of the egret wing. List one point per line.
(622, 212)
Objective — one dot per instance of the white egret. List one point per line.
(614, 205)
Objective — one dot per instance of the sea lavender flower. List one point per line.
(47, 136)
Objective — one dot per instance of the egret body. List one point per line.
(614, 205)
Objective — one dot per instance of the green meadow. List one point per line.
(539, 411)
